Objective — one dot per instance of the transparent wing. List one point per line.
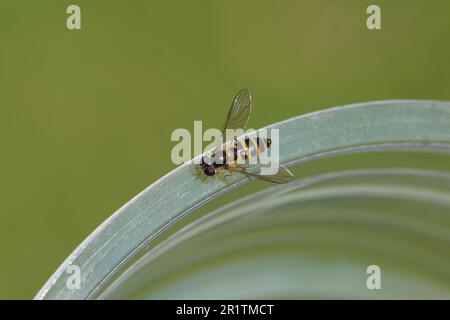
(282, 176)
(239, 113)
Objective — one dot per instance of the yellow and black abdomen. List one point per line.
(248, 149)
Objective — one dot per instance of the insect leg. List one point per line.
(199, 174)
(227, 176)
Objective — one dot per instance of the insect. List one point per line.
(229, 156)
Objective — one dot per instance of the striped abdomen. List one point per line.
(242, 152)
(249, 148)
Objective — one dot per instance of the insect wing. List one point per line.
(282, 176)
(239, 113)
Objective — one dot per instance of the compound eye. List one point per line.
(210, 171)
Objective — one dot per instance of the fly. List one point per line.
(234, 156)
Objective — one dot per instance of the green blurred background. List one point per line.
(86, 115)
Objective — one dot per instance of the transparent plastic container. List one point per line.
(312, 238)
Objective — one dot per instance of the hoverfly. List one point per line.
(229, 156)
